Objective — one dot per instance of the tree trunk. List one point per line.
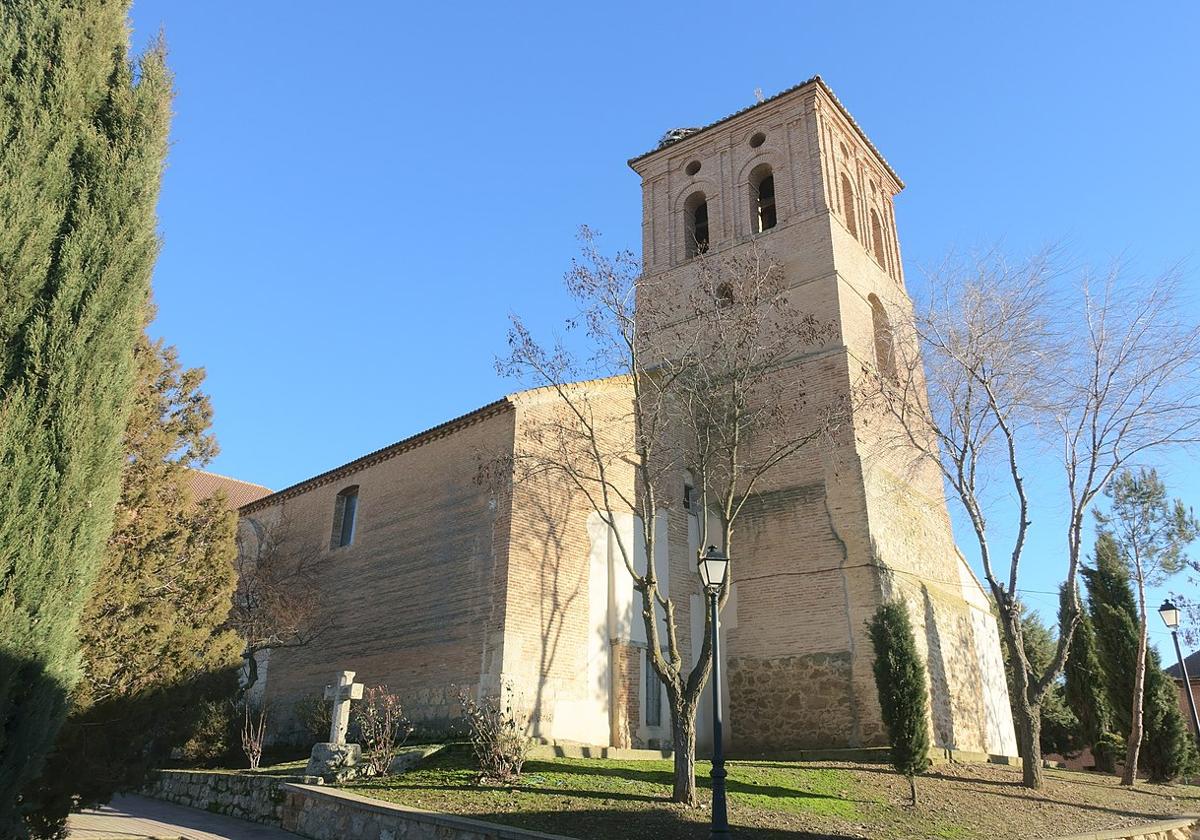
(912, 791)
(1129, 775)
(683, 741)
(250, 657)
(1029, 714)
(1029, 737)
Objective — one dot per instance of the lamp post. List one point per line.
(1170, 617)
(713, 567)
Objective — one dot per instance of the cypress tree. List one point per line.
(1114, 614)
(1083, 684)
(903, 691)
(154, 647)
(1113, 611)
(82, 140)
(1168, 749)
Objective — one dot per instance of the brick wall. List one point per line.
(840, 527)
(418, 599)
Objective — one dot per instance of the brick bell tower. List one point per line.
(837, 530)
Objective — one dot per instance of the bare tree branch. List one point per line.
(1005, 366)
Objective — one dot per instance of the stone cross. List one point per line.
(340, 696)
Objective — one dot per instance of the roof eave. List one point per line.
(815, 80)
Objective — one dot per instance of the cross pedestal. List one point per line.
(335, 760)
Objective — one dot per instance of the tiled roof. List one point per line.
(237, 493)
(689, 133)
(1193, 668)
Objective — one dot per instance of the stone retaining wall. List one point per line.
(255, 798)
(1185, 828)
(322, 813)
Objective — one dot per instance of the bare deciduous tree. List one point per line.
(710, 390)
(1009, 370)
(254, 732)
(278, 602)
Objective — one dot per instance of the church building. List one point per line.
(438, 581)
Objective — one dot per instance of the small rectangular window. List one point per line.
(689, 496)
(344, 515)
(653, 695)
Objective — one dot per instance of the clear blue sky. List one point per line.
(356, 197)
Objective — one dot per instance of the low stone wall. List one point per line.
(321, 813)
(255, 798)
(1185, 828)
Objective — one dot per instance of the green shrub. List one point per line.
(212, 742)
(903, 692)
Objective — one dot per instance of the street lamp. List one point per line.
(713, 567)
(1170, 617)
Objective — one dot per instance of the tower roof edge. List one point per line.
(674, 138)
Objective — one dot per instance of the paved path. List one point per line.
(138, 817)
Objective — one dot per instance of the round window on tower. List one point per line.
(757, 139)
(692, 168)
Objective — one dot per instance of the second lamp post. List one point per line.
(1170, 617)
(714, 569)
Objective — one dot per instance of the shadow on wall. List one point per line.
(939, 685)
(115, 744)
(552, 606)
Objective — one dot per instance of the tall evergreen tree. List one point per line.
(154, 649)
(1114, 614)
(903, 691)
(82, 141)
(1084, 693)
(1151, 533)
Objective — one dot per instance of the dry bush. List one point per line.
(498, 737)
(312, 717)
(254, 733)
(383, 728)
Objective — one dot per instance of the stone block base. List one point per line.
(334, 762)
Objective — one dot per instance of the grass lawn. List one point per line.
(593, 799)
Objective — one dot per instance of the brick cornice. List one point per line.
(442, 430)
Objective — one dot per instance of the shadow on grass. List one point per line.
(1082, 806)
(657, 824)
(665, 779)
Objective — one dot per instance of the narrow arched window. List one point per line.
(848, 205)
(885, 349)
(762, 198)
(877, 239)
(695, 226)
(653, 694)
(345, 512)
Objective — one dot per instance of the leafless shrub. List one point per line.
(254, 732)
(497, 730)
(382, 727)
(312, 715)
